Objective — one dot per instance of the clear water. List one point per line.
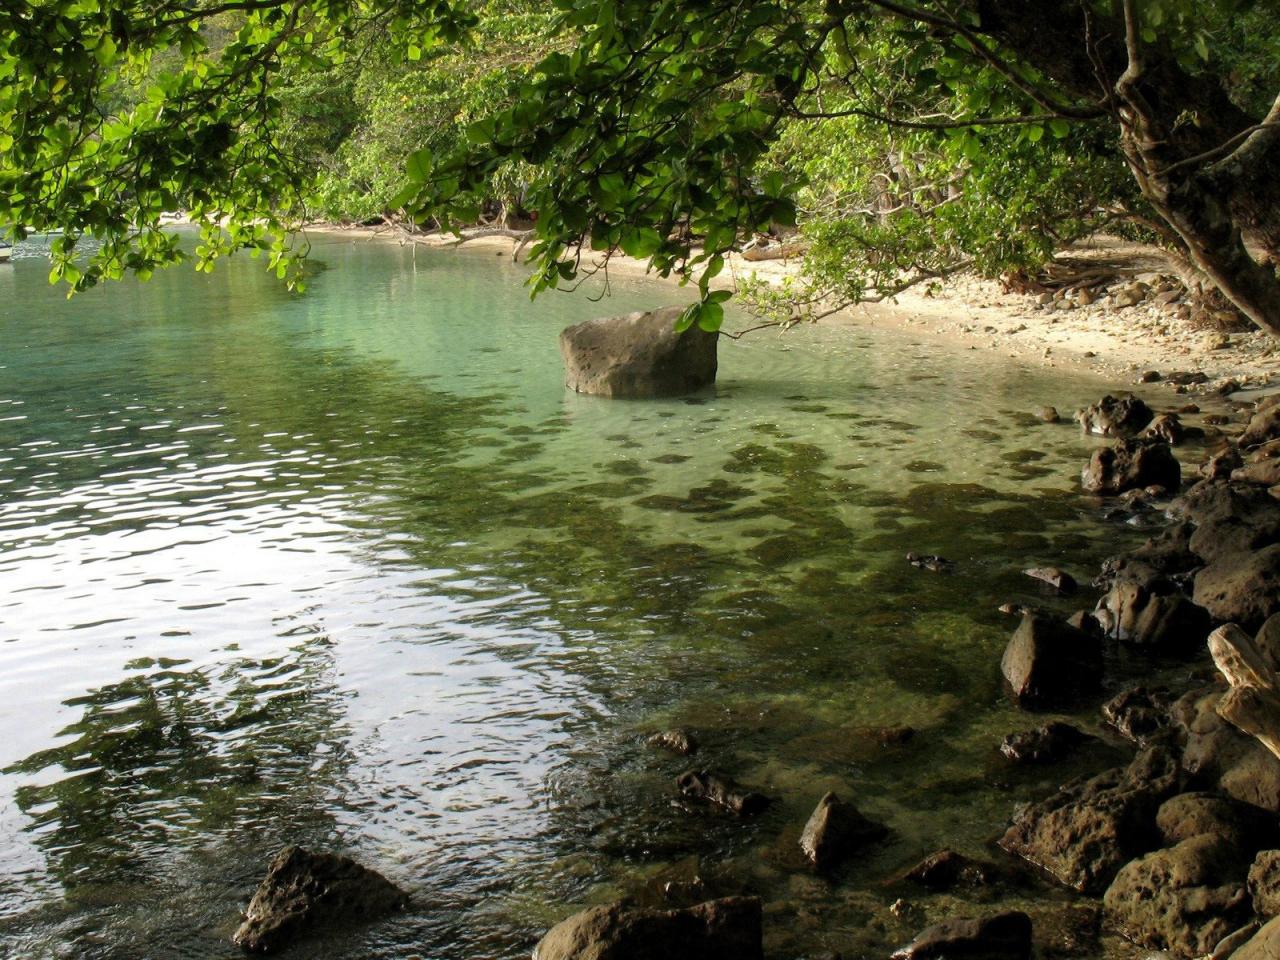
(354, 570)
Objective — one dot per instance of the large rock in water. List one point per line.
(1050, 662)
(728, 929)
(1123, 416)
(1131, 465)
(837, 830)
(303, 890)
(638, 355)
(1085, 832)
(1156, 616)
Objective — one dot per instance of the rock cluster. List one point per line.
(1182, 843)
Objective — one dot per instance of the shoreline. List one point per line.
(1117, 343)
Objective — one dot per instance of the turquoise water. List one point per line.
(352, 569)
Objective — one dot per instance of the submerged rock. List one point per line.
(727, 929)
(1085, 832)
(638, 355)
(1057, 578)
(837, 830)
(721, 792)
(303, 890)
(1003, 936)
(1138, 714)
(946, 869)
(930, 562)
(1053, 741)
(1131, 465)
(1183, 899)
(1048, 661)
(677, 740)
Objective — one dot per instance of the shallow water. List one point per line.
(354, 570)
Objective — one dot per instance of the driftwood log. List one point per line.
(1251, 665)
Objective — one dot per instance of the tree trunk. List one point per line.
(1210, 170)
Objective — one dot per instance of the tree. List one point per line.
(655, 127)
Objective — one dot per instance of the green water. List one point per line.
(354, 570)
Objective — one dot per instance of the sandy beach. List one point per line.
(1146, 342)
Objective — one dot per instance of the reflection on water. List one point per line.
(353, 570)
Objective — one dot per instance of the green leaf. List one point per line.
(641, 243)
(419, 165)
(710, 317)
(688, 316)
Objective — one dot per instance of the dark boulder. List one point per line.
(721, 792)
(1159, 564)
(836, 830)
(1166, 427)
(1263, 945)
(1215, 754)
(1048, 662)
(1265, 473)
(946, 869)
(1221, 464)
(1138, 714)
(1158, 616)
(1003, 936)
(1243, 826)
(1045, 744)
(1085, 832)
(1264, 883)
(304, 890)
(1131, 465)
(638, 355)
(1123, 416)
(1241, 588)
(1230, 518)
(728, 929)
(1263, 426)
(1183, 899)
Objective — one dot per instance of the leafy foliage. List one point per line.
(906, 140)
(119, 112)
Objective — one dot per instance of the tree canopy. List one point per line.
(907, 139)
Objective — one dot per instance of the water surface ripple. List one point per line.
(353, 570)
